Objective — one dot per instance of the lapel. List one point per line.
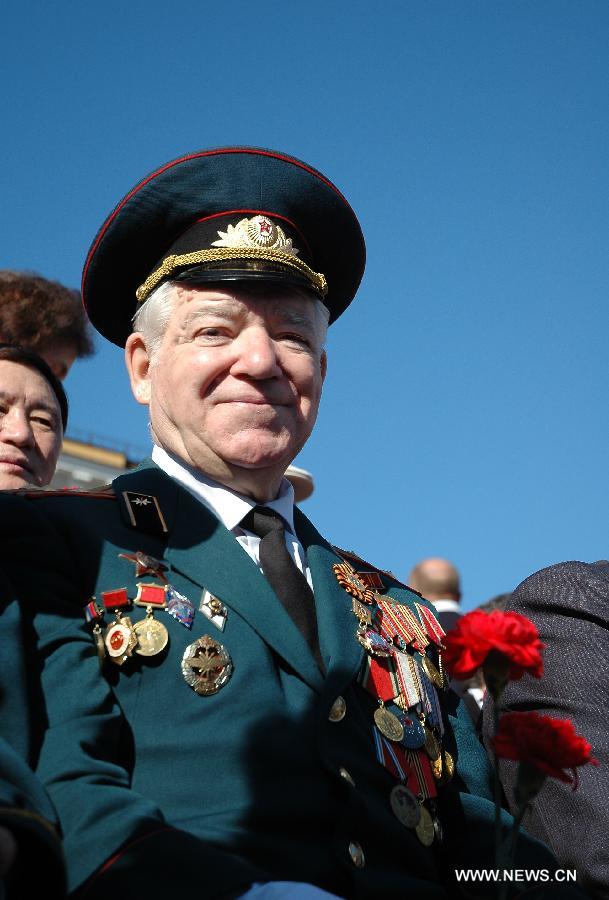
(205, 552)
(335, 620)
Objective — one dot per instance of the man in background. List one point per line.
(438, 580)
(33, 417)
(43, 316)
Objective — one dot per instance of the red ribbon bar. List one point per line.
(151, 595)
(379, 678)
(115, 599)
(419, 762)
(434, 630)
(412, 782)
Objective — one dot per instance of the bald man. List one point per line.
(438, 580)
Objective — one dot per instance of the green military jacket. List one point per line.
(164, 792)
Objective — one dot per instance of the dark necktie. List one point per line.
(282, 573)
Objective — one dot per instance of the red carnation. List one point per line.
(549, 745)
(511, 639)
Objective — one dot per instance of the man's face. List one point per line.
(30, 427)
(236, 382)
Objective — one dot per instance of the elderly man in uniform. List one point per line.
(243, 709)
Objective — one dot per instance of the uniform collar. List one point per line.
(447, 605)
(228, 506)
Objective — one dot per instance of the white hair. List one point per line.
(152, 317)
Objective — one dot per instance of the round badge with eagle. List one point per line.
(206, 665)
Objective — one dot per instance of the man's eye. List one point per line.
(210, 332)
(296, 339)
(43, 422)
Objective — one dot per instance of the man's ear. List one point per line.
(323, 364)
(137, 360)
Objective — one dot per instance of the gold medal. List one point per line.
(388, 724)
(152, 636)
(436, 768)
(449, 767)
(425, 827)
(431, 672)
(362, 613)
(405, 806)
(206, 665)
(432, 747)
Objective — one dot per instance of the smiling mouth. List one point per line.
(15, 464)
(255, 401)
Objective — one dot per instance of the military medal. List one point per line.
(152, 636)
(180, 607)
(425, 827)
(405, 806)
(414, 733)
(146, 565)
(433, 628)
(378, 677)
(214, 609)
(361, 612)
(408, 677)
(349, 581)
(436, 768)
(373, 642)
(388, 724)
(206, 665)
(449, 767)
(432, 747)
(397, 621)
(94, 613)
(431, 703)
(119, 638)
(431, 672)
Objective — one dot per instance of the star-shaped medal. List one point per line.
(146, 565)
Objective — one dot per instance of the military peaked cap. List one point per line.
(234, 213)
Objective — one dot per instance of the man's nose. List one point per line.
(256, 355)
(16, 428)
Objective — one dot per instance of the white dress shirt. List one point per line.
(231, 507)
(447, 605)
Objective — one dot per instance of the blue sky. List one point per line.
(465, 412)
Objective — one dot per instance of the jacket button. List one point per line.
(346, 775)
(337, 710)
(357, 855)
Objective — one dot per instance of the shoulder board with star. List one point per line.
(143, 512)
(369, 574)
